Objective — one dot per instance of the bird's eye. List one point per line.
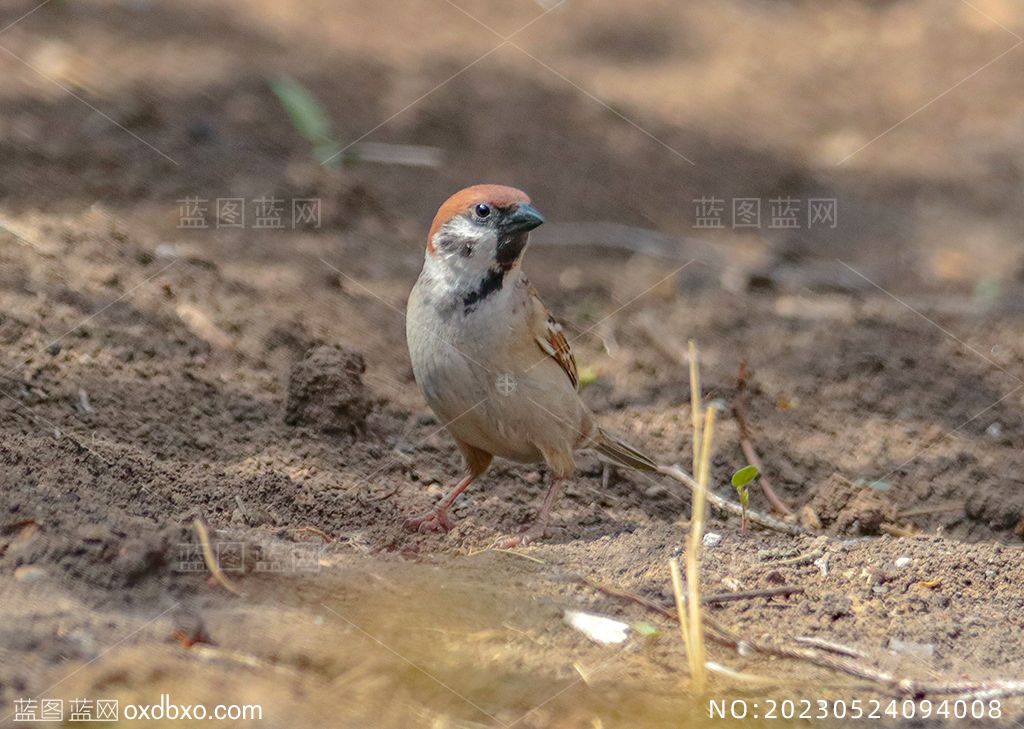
(482, 210)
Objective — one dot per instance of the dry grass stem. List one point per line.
(211, 561)
(693, 601)
(684, 623)
(695, 403)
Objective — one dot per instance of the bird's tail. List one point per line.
(621, 453)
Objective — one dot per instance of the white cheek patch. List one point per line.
(482, 246)
(461, 228)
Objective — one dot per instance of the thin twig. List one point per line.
(625, 595)
(715, 599)
(801, 558)
(929, 510)
(514, 553)
(327, 538)
(749, 679)
(782, 591)
(827, 645)
(895, 530)
(747, 444)
(723, 635)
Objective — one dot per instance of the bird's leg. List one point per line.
(437, 519)
(539, 529)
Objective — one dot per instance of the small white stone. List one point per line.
(166, 250)
(29, 573)
(597, 627)
(903, 562)
(712, 539)
(910, 648)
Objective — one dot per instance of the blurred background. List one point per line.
(193, 194)
(905, 114)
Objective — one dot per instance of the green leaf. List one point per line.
(645, 629)
(744, 476)
(306, 113)
(588, 376)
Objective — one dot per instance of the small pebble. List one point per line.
(903, 562)
(166, 250)
(597, 627)
(29, 573)
(712, 539)
(995, 430)
(909, 648)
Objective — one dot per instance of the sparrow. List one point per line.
(492, 362)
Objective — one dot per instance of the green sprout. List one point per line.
(308, 116)
(740, 481)
(588, 376)
(646, 629)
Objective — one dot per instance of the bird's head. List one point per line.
(482, 228)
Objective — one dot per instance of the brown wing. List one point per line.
(550, 338)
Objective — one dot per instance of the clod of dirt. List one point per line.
(847, 508)
(1001, 507)
(326, 391)
(835, 607)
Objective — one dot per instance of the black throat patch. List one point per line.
(492, 282)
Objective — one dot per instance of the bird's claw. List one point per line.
(435, 520)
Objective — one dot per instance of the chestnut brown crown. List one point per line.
(464, 201)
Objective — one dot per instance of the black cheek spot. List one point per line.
(466, 251)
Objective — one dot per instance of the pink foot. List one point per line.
(435, 520)
(524, 539)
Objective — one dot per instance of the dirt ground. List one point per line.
(152, 374)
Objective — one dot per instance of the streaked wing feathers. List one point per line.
(552, 340)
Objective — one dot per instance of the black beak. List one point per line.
(523, 219)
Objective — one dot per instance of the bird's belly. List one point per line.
(515, 405)
(507, 415)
